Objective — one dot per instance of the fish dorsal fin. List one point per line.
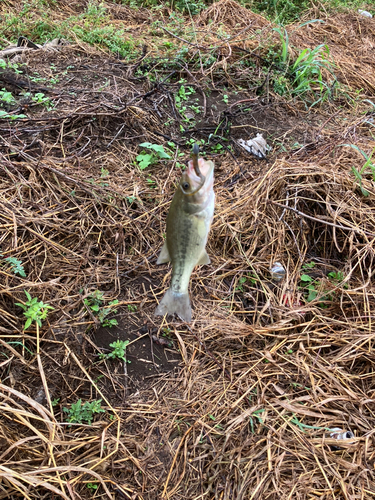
(164, 255)
(204, 259)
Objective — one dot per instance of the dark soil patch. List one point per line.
(149, 355)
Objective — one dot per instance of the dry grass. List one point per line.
(265, 374)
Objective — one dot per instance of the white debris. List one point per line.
(364, 13)
(257, 146)
(340, 434)
(24, 45)
(277, 271)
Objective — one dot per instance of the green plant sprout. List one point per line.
(7, 97)
(95, 303)
(39, 98)
(243, 280)
(21, 344)
(34, 310)
(255, 415)
(118, 352)
(80, 413)
(302, 426)
(15, 265)
(337, 277)
(314, 288)
(308, 265)
(307, 69)
(92, 486)
(312, 292)
(368, 164)
(284, 37)
(146, 159)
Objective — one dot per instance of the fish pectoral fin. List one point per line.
(164, 255)
(204, 259)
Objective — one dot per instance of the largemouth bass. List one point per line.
(188, 223)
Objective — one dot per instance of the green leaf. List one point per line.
(306, 278)
(145, 160)
(312, 293)
(157, 148)
(28, 323)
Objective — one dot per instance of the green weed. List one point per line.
(95, 11)
(7, 97)
(80, 413)
(10, 65)
(255, 415)
(302, 426)
(10, 116)
(284, 38)
(243, 280)
(192, 7)
(359, 174)
(15, 265)
(146, 159)
(304, 75)
(180, 99)
(280, 11)
(107, 36)
(95, 302)
(20, 344)
(310, 285)
(118, 350)
(308, 265)
(39, 98)
(281, 85)
(337, 277)
(314, 288)
(92, 486)
(307, 70)
(34, 310)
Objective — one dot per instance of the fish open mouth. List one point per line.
(204, 168)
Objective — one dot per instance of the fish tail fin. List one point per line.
(173, 302)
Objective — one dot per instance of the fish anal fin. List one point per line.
(164, 255)
(204, 259)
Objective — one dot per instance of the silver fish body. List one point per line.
(188, 224)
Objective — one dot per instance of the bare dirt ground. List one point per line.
(240, 404)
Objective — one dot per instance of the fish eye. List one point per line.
(185, 186)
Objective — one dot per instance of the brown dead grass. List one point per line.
(265, 373)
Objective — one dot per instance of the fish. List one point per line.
(188, 224)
